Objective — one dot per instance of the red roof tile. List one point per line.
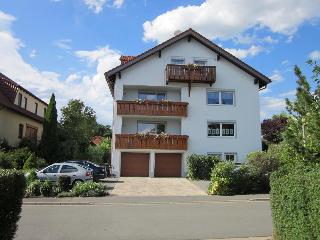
(125, 59)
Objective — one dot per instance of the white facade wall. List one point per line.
(245, 113)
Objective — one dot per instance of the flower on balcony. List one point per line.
(191, 67)
(161, 135)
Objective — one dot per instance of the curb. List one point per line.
(57, 203)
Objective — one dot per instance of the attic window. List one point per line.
(178, 61)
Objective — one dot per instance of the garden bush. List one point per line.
(64, 183)
(5, 161)
(46, 188)
(18, 157)
(32, 176)
(89, 189)
(222, 179)
(200, 166)
(12, 186)
(33, 162)
(33, 189)
(295, 202)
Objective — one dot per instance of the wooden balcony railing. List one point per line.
(150, 141)
(190, 73)
(152, 108)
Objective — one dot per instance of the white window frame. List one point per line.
(220, 123)
(202, 60)
(220, 154)
(152, 122)
(220, 97)
(152, 92)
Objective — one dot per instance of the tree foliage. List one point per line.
(49, 145)
(78, 125)
(272, 129)
(302, 134)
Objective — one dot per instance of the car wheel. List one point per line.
(75, 182)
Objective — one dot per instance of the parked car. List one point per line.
(99, 172)
(76, 172)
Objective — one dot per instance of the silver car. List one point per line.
(76, 172)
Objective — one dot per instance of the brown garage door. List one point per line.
(134, 164)
(168, 165)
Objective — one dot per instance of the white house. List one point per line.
(186, 95)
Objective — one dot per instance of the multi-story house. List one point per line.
(21, 112)
(186, 95)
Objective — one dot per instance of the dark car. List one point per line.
(99, 172)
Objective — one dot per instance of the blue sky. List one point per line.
(65, 46)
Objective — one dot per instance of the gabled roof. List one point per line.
(8, 92)
(190, 33)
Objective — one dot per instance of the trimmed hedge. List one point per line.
(295, 203)
(200, 166)
(12, 185)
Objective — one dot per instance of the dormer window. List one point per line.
(36, 108)
(25, 102)
(20, 99)
(177, 60)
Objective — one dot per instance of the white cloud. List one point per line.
(285, 62)
(243, 53)
(270, 106)
(97, 5)
(228, 19)
(288, 94)
(270, 40)
(63, 43)
(6, 21)
(90, 88)
(33, 53)
(315, 55)
(276, 77)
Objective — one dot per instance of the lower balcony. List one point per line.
(152, 108)
(152, 141)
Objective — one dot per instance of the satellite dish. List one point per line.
(177, 32)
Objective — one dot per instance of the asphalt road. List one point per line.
(146, 220)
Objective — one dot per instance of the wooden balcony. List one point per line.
(191, 73)
(152, 108)
(151, 141)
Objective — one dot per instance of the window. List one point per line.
(31, 133)
(218, 129)
(200, 62)
(227, 98)
(178, 61)
(20, 99)
(20, 134)
(149, 127)
(230, 157)
(218, 155)
(52, 169)
(152, 96)
(213, 98)
(25, 102)
(36, 109)
(220, 97)
(227, 129)
(68, 169)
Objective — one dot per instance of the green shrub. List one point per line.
(200, 166)
(18, 157)
(4, 145)
(12, 186)
(46, 189)
(243, 181)
(64, 183)
(33, 189)
(295, 202)
(5, 161)
(34, 162)
(27, 143)
(89, 189)
(222, 179)
(32, 176)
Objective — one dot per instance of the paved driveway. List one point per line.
(145, 186)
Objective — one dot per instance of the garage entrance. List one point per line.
(134, 164)
(167, 165)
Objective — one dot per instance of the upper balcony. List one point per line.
(152, 108)
(190, 73)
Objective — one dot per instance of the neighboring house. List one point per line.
(204, 99)
(21, 112)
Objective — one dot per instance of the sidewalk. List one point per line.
(145, 200)
(249, 238)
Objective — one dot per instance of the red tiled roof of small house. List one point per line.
(125, 59)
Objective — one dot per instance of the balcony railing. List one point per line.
(152, 108)
(190, 73)
(150, 141)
